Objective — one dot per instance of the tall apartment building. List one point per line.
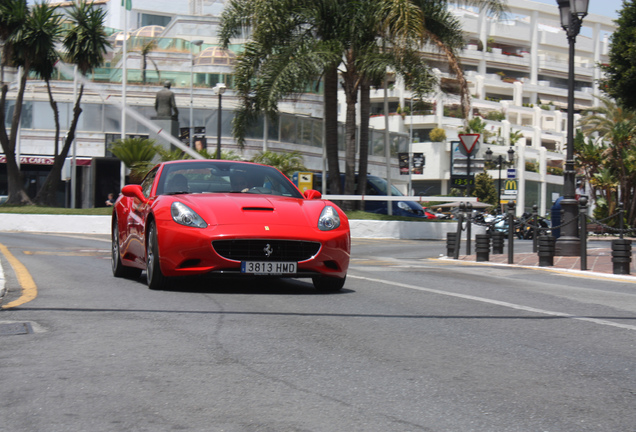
(516, 67)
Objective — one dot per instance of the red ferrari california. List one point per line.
(195, 217)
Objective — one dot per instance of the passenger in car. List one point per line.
(178, 183)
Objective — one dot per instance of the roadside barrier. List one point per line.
(546, 247)
(482, 247)
(621, 256)
(451, 240)
(544, 244)
(498, 243)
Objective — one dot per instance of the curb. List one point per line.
(72, 224)
(79, 224)
(552, 269)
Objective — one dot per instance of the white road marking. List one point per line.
(496, 302)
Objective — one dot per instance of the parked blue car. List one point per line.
(378, 186)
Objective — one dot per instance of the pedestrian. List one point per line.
(111, 200)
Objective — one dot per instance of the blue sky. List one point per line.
(600, 7)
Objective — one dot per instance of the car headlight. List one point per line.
(329, 219)
(404, 206)
(184, 215)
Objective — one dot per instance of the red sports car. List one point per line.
(195, 217)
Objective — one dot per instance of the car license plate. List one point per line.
(268, 267)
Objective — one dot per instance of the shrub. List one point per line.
(437, 135)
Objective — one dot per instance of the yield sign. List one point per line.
(468, 142)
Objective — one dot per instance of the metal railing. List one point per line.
(516, 226)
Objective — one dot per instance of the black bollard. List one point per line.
(498, 243)
(546, 251)
(621, 256)
(583, 230)
(535, 227)
(482, 247)
(450, 244)
(511, 232)
(469, 218)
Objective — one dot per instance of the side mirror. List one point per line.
(312, 194)
(133, 191)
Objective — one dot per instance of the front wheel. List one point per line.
(328, 284)
(156, 280)
(119, 269)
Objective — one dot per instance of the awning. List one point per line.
(46, 160)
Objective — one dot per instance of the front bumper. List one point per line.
(186, 251)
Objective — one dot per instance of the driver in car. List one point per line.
(239, 182)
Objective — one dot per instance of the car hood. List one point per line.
(234, 208)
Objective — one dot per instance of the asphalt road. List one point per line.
(411, 344)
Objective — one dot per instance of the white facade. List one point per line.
(516, 67)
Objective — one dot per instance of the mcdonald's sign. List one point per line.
(510, 187)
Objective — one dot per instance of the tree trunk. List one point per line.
(350, 142)
(143, 69)
(363, 163)
(47, 193)
(331, 129)
(350, 85)
(17, 194)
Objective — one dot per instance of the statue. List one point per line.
(165, 104)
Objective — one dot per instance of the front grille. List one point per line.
(257, 250)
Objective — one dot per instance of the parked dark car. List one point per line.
(378, 186)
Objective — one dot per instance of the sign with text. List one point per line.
(510, 187)
(462, 181)
(403, 160)
(418, 163)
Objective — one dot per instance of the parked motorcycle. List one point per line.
(525, 227)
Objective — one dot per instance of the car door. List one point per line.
(137, 218)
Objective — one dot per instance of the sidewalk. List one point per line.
(599, 260)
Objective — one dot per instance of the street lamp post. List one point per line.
(198, 43)
(500, 162)
(220, 89)
(569, 244)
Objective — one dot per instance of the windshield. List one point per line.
(382, 184)
(190, 177)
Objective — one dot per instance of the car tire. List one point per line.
(119, 269)
(328, 284)
(156, 280)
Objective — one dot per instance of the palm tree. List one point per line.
(13, 14)
(606, 183)
(48, 22)
(588, 158)
(287, 163)
(293, 43)
(137, 154)
(616, 130)
(85, 44)
(146, 48)
(515, 136)
(29, 39)
(285, 55)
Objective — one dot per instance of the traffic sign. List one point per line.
(470, 143)
(512, 173)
